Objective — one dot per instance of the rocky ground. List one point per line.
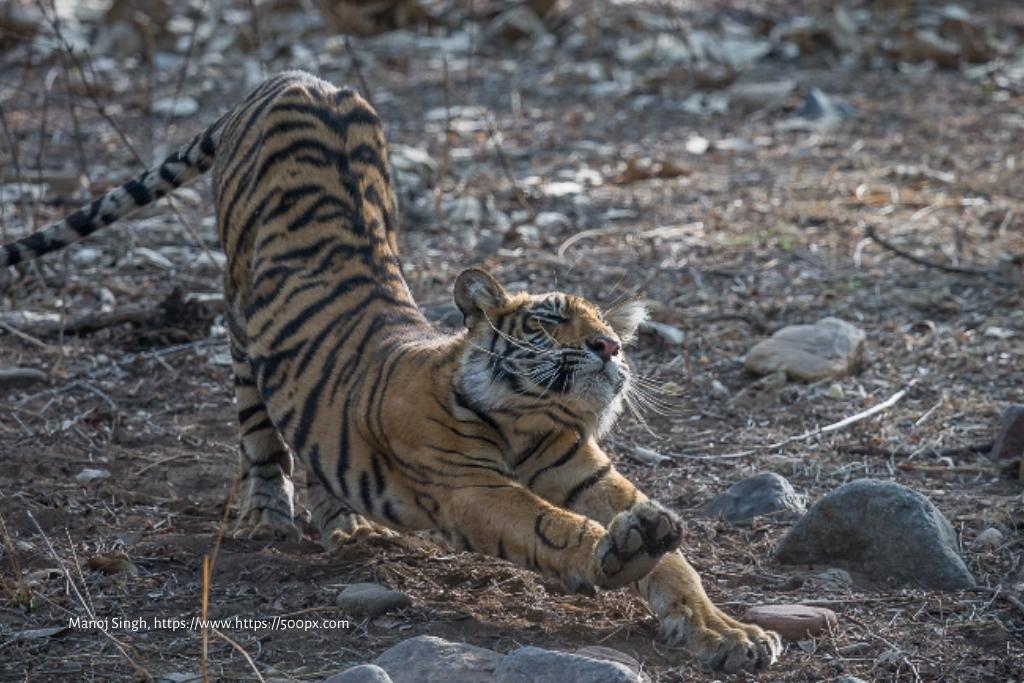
(745, 166)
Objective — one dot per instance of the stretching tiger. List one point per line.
(489, 436)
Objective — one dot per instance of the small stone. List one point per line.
(667, 333)
(719, 390)
(177, 107)
(880, 529)
(551, 221)
(1009, 443)
(990, 538)
(536, 665)
(697, 145)
(763, 494)
(16, 378)
(792, 622)
(850, 679)
(835, 391)
(364, 673)
(1001, 333)
(89, 474)
(829, 348)
(371, 599)
(429, 659)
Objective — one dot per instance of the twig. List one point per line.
(358, 71)
(121, 647)
(506, 168)
(90, 91)
(241, 651)
(863, 415)
(24, 336)
(870, 231)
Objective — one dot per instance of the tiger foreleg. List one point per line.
(267, 497)
(673, 589)
(504, 519)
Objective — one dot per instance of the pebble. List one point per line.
(371, 599)
(830, 348)
(760, 395)
(90, 474)
(763, 494)
(792, 622)
(880, 529)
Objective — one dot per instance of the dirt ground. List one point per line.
(763, 228)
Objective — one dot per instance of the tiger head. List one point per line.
(527, 350)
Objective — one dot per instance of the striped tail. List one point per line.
(181, 167)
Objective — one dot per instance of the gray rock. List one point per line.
(829, 348)
(764, 494)
(535, 665)
(1009, 443)
(882, 530)
(850, 679)
(428, 659)
(371, 599)
(611, 655)
(364, 673)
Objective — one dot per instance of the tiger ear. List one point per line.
(477, 294)
(626, 317)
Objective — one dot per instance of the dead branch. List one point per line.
(870, 231)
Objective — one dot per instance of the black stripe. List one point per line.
(587, 483)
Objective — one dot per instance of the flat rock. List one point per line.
(1009, 443)
(829, 348)
(880, 529)
(364, 673)
(371, 599)
(763, 494)
(792, 622)
(536, 665)
(428, 659)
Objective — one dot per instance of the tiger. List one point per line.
(488, 435)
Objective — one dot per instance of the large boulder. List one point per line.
(829, 348)
(880, 529)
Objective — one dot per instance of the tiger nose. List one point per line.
(606, 347)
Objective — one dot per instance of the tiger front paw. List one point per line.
(636, 539)
(268, 524)
(720, 642)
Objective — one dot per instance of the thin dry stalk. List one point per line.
(121, 647)
(209, 562)
(241, 651)
(17, 590)
(506, 168)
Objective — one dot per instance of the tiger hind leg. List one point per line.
(267, 505)
(337, 522)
